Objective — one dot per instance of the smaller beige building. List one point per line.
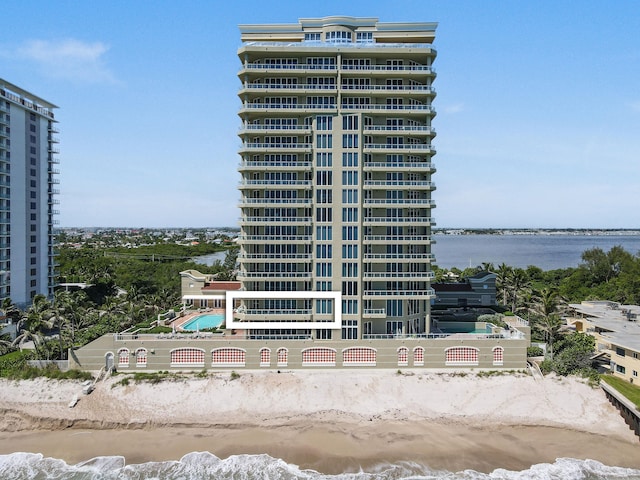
(617, 333)
(201, 290)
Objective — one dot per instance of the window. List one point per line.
(141, 357)
(359, 356)
(350, 159)
(324, 159)
(350, 177)
(338, 37)
(323, 232)
(324, 178)
(620, 351)
(350, 140)
(365, 37)
(350, 288)
(228, 357)
(283, 357)
(324, 123)
(394, 327)
(319, 357)
(324, 334)
(349, 251)
(187, 357)
(498, 355)
(403, 356)
(349, 307)
(312, 37)
(349, 270)
(324, 196)
(350, 122)
(418, 357)
(324, 141)
(349, 214)
(620, 369)
(350, 195)
(323, 251)
(324, 305)
(461, 356)
(349, 233)
(349, 329)
(324, 215)
(324, 269)
(265, 357)
(123, 357)
(635, 373)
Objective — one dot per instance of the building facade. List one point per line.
(336, 166)
(27, 194)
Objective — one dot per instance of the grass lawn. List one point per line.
(632, 392)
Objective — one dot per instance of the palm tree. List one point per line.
(34, 323)
(502, 280)
(518, 284)
(548, 306)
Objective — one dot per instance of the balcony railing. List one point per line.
(272, 256)
(274, 238)
(279, 146)
(275, 219)
(253, 183)
(399, 128)
(390, 68)
(389, 165)
(405, 108)
(295, 66)
(394, 88)
(398, 220)
(295, 86)
(253, 126)
(274, 274)
(429, 292)
(271, 201)
(423, 202)
(399, 256)
(296, 164)
(399, 183)
(403, 275)
(398, 238)
(289, 106)
(403, 146)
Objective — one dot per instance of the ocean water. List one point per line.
(203, 465)
(549, 252)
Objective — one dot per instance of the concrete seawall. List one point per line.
(627, 409)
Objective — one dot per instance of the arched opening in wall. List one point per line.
(403, 356)
(123, 357)
(318, 357)
(141, 357)
(463, 356)
(283, 357)
(498, 355)
(418, 357)
(359, 357)
(187, 357)
(228, 357)
(265, 357)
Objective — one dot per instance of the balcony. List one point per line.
(288, 107)
(372, 221)
(372, 129)
(297, 88)
(301, 68)
(404, 109)
(422, 148)
(53, 149)
(386, 69)
(395, 202)
(424, 294)
(271, 257)
(386, 166)
(399, 276)
(403, 239)
(384, 257)
(275, 220)
(275, 147)
(273, 275)
(399, 184)
(259, 166)
(399, 90)
(269, 202)
(306, 184)
(261, 239)
(254, 129)
(374, 313)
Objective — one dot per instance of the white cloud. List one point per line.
(454, 108)
(68, 59)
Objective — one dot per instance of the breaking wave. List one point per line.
(204, 465)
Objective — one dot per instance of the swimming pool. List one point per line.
(209, 320)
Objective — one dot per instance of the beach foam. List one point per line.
(203, 465)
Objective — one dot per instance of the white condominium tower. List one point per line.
(336, 178)
(27, 194)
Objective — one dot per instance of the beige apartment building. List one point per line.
(336, 166)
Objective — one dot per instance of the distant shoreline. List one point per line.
(537, 231)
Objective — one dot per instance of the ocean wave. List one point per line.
(204, 465)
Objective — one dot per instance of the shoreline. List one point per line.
(331, 422)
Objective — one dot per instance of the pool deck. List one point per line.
(180, 321)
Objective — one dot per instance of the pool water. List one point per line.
(201, 322)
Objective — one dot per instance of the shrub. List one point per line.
(235, 375)
(535, 352)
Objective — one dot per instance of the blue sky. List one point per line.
(538, 106)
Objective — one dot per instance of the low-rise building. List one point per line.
(617, 333)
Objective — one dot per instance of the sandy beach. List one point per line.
(328, 421)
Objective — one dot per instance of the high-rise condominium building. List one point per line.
(27, 194)
(336, 178)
